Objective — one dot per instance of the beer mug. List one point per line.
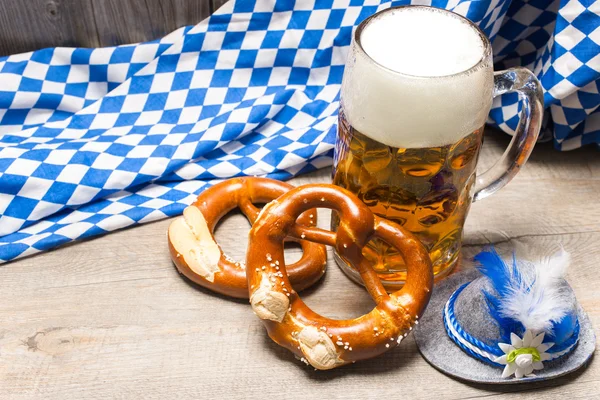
(416, 93)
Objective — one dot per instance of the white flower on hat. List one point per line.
(523, 356)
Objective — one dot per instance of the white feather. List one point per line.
(539, 299)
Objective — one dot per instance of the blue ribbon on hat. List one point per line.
(475, 348)
(94, 140)
(483, 352)
(526, 300)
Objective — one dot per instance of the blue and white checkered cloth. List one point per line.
(93, 140)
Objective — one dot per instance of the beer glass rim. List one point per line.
(487, 50)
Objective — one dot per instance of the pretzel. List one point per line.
(321, 342)
(197, 255)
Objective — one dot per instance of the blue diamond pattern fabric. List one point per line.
(94, 140)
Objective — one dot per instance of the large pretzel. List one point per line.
(196, 254)
(321, 342)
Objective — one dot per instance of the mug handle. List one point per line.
(524, 82)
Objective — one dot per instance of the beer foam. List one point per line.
(422, 42)
(423, 80)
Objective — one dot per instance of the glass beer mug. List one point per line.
(417, 90)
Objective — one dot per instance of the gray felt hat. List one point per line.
(505, 323)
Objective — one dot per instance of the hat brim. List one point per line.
(443, 354)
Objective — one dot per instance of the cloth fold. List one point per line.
(94, 140)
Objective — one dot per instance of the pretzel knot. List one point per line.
(197, 255)
(321, 342)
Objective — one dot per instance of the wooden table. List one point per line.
(35, 24)
(111, 318)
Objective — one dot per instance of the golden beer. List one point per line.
(426, 190)
(417, 89)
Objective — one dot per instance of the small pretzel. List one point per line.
(196, 254)
(321, 342)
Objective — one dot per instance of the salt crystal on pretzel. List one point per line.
(297, 327)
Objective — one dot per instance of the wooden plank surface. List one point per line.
(34, 24)
(111, 318)
(216, 4)
(27, 25)
(143, 20)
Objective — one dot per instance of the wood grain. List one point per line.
(34, 24)
(142, 20)
(111, 318)
(216, 4)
